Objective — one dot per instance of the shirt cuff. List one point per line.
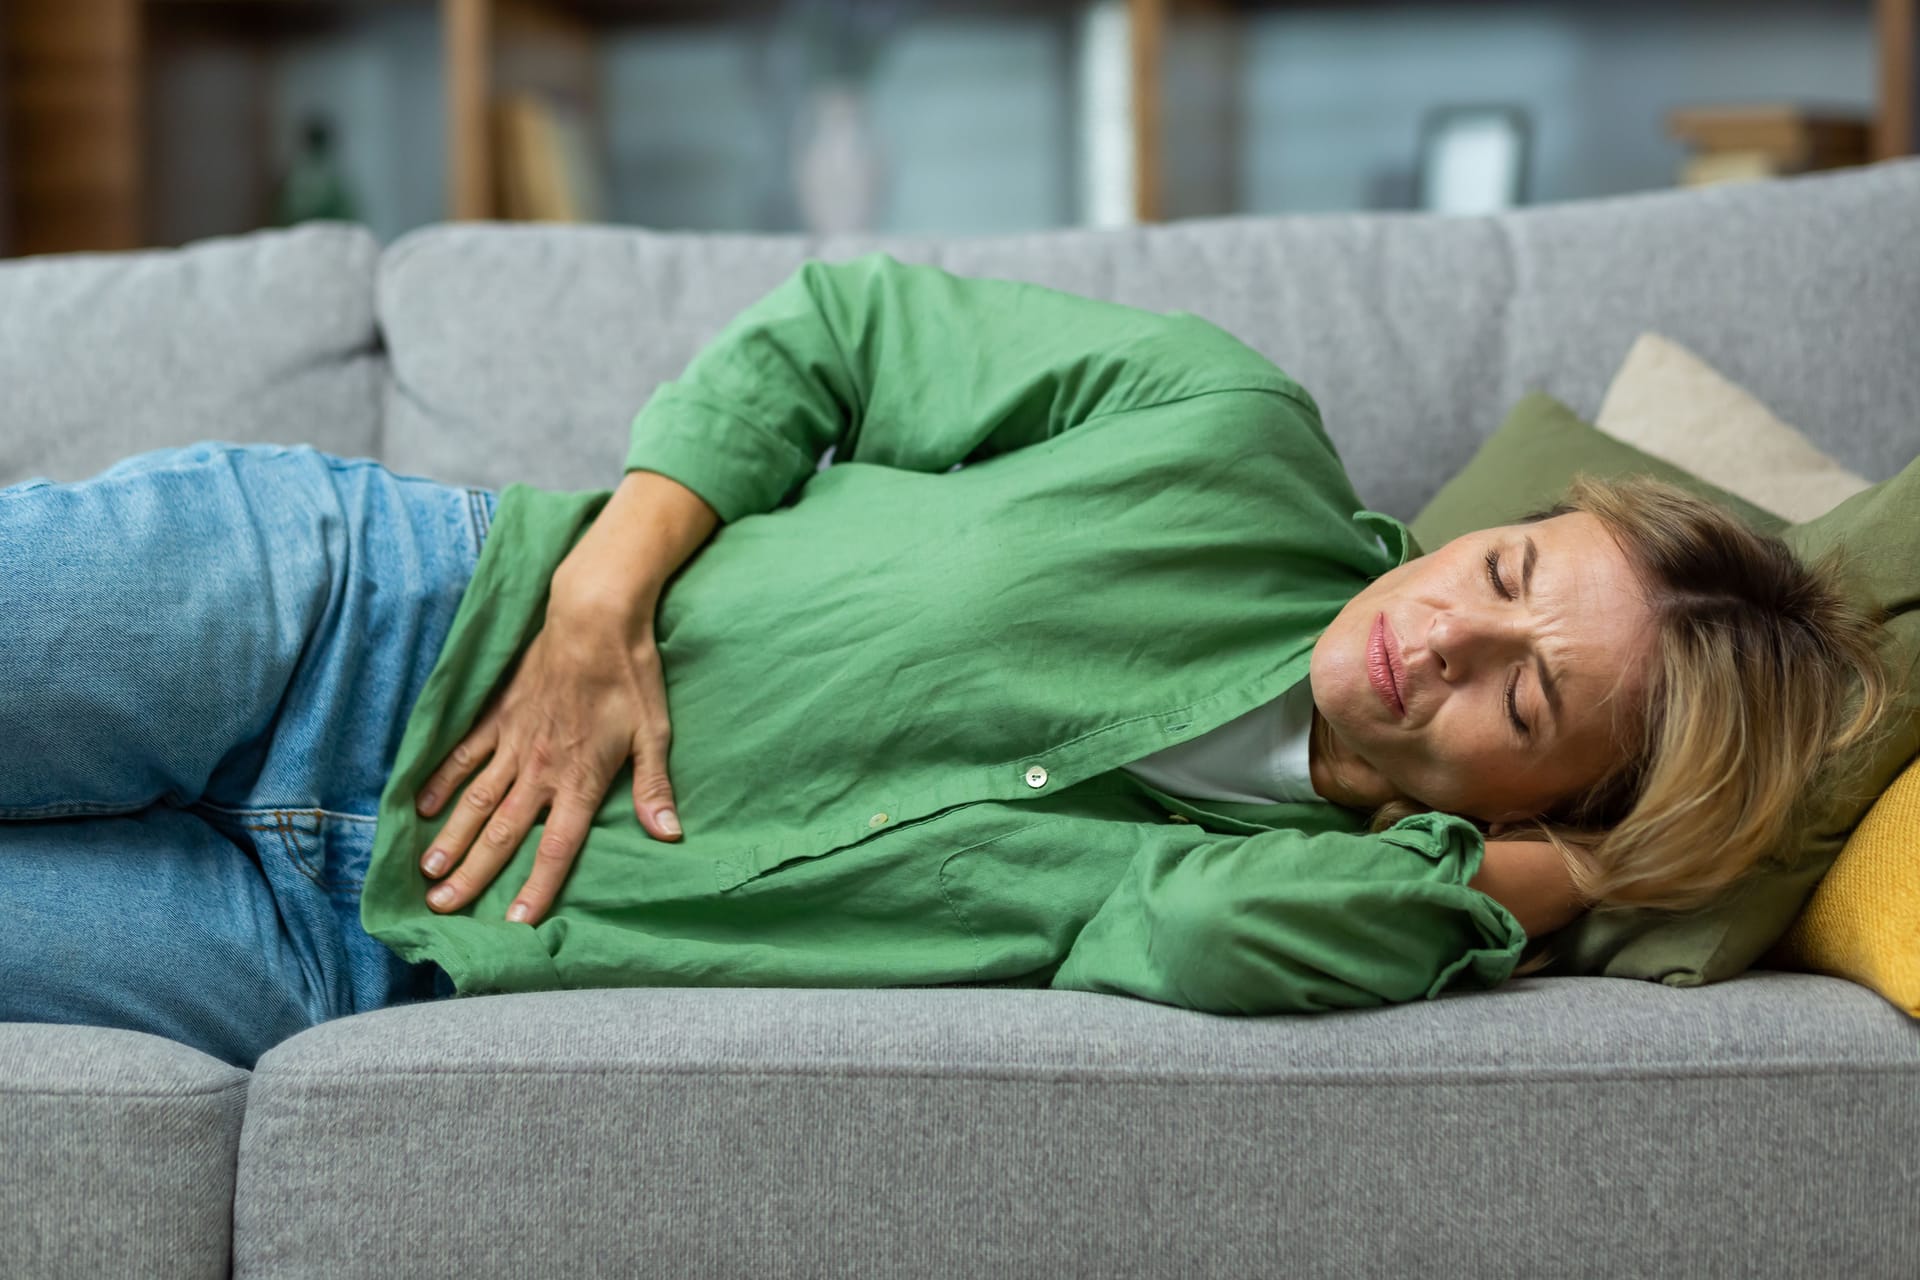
(737, 468)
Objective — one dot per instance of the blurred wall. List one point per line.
(1304, 107)
(686, 146)
(380, 82)
(970, 114)
(1332, 99)
(374, 73)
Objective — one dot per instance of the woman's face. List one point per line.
(1416, 675)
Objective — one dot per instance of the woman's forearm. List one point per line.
(650, 527)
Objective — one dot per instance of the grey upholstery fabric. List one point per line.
(1553, 1127)
(522, 352)
(119, 1154)
(260, 338)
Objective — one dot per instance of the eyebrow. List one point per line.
(1549, 685)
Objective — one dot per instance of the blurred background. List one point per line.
(132, 123)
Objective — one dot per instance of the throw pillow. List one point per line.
(1668, 402)
(1524, 466)
(1863, 923)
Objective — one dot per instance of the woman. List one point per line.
(1081, 667)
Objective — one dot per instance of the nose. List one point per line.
(1463, 640)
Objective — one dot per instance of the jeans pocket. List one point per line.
(316, 860)
(330, 850)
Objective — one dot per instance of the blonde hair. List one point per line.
(1763, 672)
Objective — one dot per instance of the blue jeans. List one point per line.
(207, 657)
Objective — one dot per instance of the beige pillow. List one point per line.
(1668, 402)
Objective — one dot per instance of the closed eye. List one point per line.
(1513, 685)
(1493, 574)
(1513, 710)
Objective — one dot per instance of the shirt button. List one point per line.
(877, 820)
(1177, 817)
(1036, 776)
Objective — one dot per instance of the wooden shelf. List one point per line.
(79, 158)
(1896, 47)
(72, 75)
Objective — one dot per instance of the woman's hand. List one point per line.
(588, 696)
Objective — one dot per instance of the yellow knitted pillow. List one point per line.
(1863, 921)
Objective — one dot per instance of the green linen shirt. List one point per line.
(1057, 535)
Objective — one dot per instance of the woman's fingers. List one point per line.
(461, 761)
(652, 793)
(470, 817)
(584, 699)
(560, 843)
(499, 840)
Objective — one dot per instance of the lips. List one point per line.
(1384, 672)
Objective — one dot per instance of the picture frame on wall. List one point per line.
(1474, 158)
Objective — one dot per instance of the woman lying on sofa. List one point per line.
(1080, 667)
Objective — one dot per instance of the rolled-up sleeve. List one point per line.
(1290, 922)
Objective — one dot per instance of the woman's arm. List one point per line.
(1290, 922)
(650, 527)
(889, 364)
(909, 366)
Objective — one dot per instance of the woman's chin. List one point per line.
(1350, 777)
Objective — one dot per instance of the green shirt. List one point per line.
(901, 693)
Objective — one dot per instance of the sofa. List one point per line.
(1764, 1126)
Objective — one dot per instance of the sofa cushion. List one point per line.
(267, 337)
(1803, 290)
(523, 353)
(120, 1154)
(1863, 923)
(1005, 1134)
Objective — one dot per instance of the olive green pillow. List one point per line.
(1523, 467)
(1526, 465)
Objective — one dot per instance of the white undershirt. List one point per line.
(1259, 758)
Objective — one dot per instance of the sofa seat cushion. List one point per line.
(961, 1132)
(120, 1150)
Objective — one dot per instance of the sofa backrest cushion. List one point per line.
(263, 337)
(522, 352)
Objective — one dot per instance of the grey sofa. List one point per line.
(1563, 1126)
